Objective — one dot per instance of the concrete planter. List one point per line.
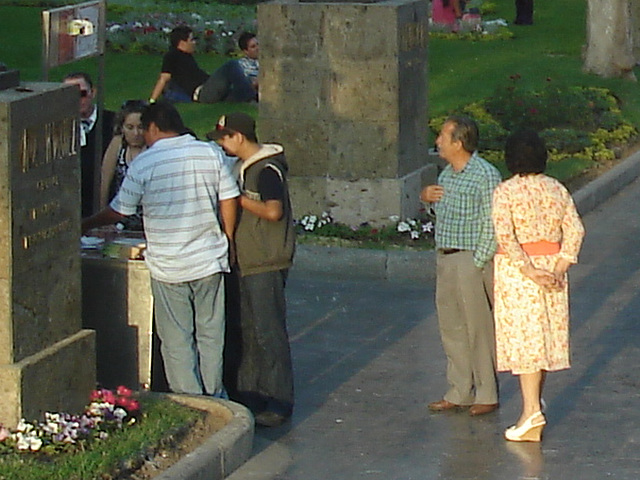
(224, 451)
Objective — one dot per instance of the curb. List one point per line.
(224, 451)
(608, 184)
(394, 265)
(411, 266)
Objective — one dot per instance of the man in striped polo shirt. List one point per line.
(464, 287)
(188, 197)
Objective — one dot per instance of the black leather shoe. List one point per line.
(270, 419)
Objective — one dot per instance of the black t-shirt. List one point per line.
(270, 185)
(184, 70)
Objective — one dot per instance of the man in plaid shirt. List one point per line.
(465, 245)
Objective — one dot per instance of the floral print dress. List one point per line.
(532, 323)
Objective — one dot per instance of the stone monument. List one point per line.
(47, 361)
(343, 86)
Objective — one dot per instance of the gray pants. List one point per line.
(189, 318)
(466, 328)
(265, 377)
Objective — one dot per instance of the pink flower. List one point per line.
(129, 404)
(4, 434)
(124, 391)
(103, 395)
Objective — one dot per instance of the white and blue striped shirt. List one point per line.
(179, 182)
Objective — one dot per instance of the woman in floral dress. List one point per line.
(539, 236)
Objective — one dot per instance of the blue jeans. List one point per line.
(189, 318)
(228, 84)
(175, 94)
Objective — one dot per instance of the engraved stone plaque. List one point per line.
(40, 290)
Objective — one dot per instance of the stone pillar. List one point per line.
(47, 361)
(343, 86)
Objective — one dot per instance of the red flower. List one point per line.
(124, 391)
(103, 395)
(129, 404)
(533, 111)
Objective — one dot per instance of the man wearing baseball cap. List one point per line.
(265, 243)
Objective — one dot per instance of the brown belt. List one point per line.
(449, 251)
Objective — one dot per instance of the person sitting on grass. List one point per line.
(182, 80)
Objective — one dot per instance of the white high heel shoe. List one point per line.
(529, 431)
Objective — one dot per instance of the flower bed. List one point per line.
(145, 29)
(62, 432)
(582, 126)
(399, 233)
(106, 444)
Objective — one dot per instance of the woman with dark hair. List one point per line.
(126, 144)
(539, 234)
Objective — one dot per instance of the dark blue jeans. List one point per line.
(265, 377)
(228, 84)
(176, 94)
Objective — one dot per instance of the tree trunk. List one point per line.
(635, 29)
(609, 49)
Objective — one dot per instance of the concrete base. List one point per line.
(363, 200)
(117, 303)
(224, 451)
(56, 379)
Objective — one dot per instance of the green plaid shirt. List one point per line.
(463, 216)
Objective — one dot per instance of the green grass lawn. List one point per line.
(460, 72)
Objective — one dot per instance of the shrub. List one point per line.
(575, 122)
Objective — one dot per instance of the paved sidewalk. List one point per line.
(367, 359)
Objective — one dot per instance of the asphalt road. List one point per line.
(367, 359)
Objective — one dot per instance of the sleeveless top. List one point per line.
(132, 222)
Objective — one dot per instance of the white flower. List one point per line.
(414, 235)
(28, 441)
(394, 218)
(427, 227)
(24, 426)
(403, 227)
(119, 413)
(115, 27)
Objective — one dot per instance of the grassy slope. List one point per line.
(459, 72)
(127, 76)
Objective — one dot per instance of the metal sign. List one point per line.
(73, 32)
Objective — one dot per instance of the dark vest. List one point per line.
(263, 245)
(90, 165)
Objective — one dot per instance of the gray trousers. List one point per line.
(463, 301)
(189, 318)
